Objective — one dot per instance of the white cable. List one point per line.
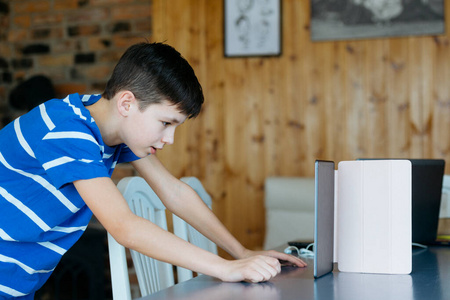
(300, 252)
(420, 245)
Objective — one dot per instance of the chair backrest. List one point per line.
(289, 205)
(189, 233)
(153, 275)
(445, 199)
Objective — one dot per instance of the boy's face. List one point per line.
(149, 130)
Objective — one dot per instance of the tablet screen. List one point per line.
(324, 218)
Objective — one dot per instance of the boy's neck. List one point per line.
(102, 112)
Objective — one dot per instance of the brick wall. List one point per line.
(75, 43)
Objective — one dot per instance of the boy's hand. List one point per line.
(258, 266)
(254, 269)
(278, 255)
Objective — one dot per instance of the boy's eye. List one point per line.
(165, 124)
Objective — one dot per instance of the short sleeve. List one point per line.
(71, 152)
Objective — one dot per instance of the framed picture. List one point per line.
(359, 19)
(252, 28)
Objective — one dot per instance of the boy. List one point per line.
(55, 168)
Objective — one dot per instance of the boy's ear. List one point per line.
(125, 101)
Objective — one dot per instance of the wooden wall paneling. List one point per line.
(191, 38)
(308, 90)
(418, 95)
(399, 133)
(293, 141)
(276, 87)
(235, 155)
(292, 130)
(268, 101)
(314, 111)
(377, 117)
(355, 98)
(246, 139)
(287, 126)
(415, 84)
(333, 104)
(159, 23)
(441, 100)
(344, 82)
(256, 147)
(332, 113)
(275, 83)
(213, 83)
(428, 52)
(441, 107)
(239, 112)
(338, 109)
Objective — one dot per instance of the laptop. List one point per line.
(427, 177)
(324, 218)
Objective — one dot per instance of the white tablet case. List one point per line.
(373, 227)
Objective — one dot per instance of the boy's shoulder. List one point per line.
(74, 105)
(74, 101)
(59, 115)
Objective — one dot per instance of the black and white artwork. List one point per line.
(358, 19)
(252, 28)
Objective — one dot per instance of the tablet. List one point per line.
(324, 218)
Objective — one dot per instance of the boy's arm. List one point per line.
(183, 201)
(108, 205)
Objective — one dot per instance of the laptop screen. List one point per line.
(427, 176)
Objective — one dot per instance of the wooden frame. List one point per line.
(252, 28)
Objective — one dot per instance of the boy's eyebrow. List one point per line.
(175, 120)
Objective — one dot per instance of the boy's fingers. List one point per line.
(287, 257)
(297, 261)
(265, 268)
(269, 266)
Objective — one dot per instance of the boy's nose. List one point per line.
(168, 139)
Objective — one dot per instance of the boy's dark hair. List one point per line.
(154, 72)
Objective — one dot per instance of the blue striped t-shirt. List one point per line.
(41, 213)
